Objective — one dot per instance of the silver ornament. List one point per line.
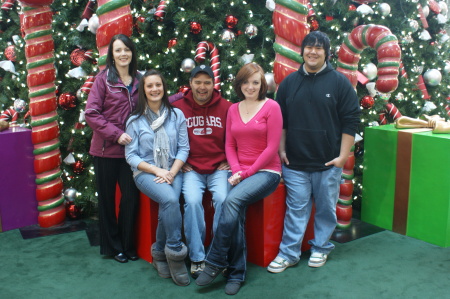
(94, 23)
(246, 58)
(227, 36)
(251, 31)
(187, 65)
(80, 95)
(426, 10)
(414, 25)
(447, 67)
(432, 77)
(271, 85)
(425, 35)
(370, 71)
(230, 78)
(385, 9)
(20, 105)
(70, 194)
(364, 9)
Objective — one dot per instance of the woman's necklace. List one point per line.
(126, 81)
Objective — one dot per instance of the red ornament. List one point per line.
(434, 6)
(183, 88)
(36, 2)
(10, 53)
(313, 25)
(367, 102)
(67, 101)
(231, 21)
(172, 43)
(196, 27)
(72, 211)
(160, 12)
(137, 23)
(78, 167)
(78, 56)
(8, 4)
(351, 7)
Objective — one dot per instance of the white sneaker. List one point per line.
(317, 259)
(279, 264)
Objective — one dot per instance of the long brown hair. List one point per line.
(142, 99)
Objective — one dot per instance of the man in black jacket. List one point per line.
(320, 118)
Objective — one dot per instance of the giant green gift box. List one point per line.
(406, 182)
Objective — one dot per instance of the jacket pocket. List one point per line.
(308, 145)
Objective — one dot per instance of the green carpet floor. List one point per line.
(382, 265)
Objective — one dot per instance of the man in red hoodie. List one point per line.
(206, 167)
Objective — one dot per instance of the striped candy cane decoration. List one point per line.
(39, 48)
(160, 11)
(384, 42)
(87, 85)
(10, 115)
(8, 4)
(200, 56)
(114, 18)
(290, 26)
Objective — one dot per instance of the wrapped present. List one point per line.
(405, 182)
(18, 205)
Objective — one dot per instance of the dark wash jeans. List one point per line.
(228, 247)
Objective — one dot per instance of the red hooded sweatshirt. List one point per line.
(206, 130)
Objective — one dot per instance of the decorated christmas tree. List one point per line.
(173, 36)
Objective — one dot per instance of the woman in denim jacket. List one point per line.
(158, 149)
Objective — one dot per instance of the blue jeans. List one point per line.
(302, 188)
(228, 247)
(194, 185)
(168, 231)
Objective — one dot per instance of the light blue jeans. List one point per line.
(167, 196)
(194, 185)
(229, 247)
(302, 188)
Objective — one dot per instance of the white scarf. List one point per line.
(161, 145)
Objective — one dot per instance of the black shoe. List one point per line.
(132, 257)
(232, 287)
(121, 258)
(208, 275)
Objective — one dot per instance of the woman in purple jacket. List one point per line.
(112, 99)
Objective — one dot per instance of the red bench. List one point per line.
(264, 226)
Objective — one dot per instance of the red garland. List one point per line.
(200, 55)
(160, 11)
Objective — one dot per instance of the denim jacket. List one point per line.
(141, 147)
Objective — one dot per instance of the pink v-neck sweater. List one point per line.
(253, 146)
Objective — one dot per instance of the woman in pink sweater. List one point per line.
(253, 134)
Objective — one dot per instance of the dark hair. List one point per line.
(246, 72)
(317, 38)
(142, 99)
(113, 74)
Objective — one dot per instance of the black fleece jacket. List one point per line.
(317, 109)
